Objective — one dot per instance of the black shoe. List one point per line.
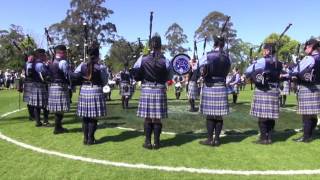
(85, 141)
(60, 131)
(302, 139)
(147, 145)
(216, 143)
(46, 124)
(38, 124)
(156, 146)
(91, 142)
(206, 142)
(192, 110)
(263, 142)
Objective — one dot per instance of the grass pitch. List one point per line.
(237, 151)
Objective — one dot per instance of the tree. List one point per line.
(70, 31)
(10, 56)
(211, 26)
(175, 38)
(285, 47)
(123, 52)
(239, 53)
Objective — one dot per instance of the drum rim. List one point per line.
(181, 54)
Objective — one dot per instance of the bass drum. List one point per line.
(180, 64)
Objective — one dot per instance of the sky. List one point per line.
(253, 19)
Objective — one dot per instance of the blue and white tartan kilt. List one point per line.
(59, 100)
(91, 102)
(286, 88)
(153, 102)
(39, 95)
(193, 90)
(308, 99)
(265, 104)
(214, 101)
(125, 89)
(27, 90)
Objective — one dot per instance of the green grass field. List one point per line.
(236, 153)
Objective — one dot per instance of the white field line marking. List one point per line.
(153, 167)
(160, 168)
(8, 113)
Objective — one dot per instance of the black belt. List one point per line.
(211, 84)
(273, 85)
(152, 83)
(90, 83)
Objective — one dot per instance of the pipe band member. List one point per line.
(307, 74)
(265, 73)
(59, 100)
(214, 97)
(154, 70)
(91, 104)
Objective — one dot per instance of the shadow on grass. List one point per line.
(102, 125)
(290, 105)
(283, 135)
(180, 139)
(123, 136)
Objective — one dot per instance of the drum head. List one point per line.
(106, 89)
(180, 64)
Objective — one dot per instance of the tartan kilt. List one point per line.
(265, 104)
(91, 102)
(286, 88)
(214, 101)
(125, 89)
(193, 90)
(59, 100)
(27, 90)
(39, 95)
(308, 99)
(153, 102)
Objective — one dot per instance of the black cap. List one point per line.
(40, 51)
(60, 47)
(311, 42)
(269, 46)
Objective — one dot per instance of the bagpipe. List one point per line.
(260, 76)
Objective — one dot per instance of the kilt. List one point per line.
(91, 102)
(39, 95)
(125, 89)
(214, 101)
(59, 100)
(308, 99)
(286, 88)
(265, 104)
(193, 90)
(153, 102)
(27, 90)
